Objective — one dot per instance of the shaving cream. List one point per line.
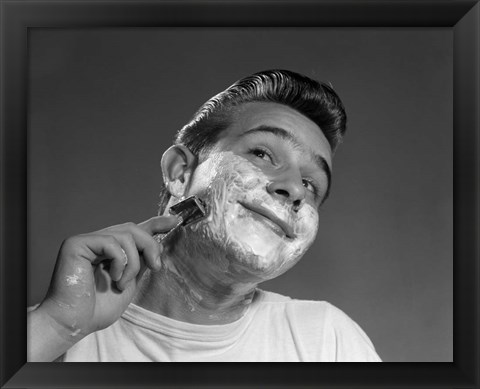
(251, 241)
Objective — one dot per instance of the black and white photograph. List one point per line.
(197, 197)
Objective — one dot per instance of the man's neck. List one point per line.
(193, 292)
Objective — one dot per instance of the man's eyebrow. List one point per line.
(277, 131)
(284, 134)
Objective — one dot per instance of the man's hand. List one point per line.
(96, 276)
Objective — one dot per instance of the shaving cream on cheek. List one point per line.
(255, 244)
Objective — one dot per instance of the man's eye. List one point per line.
(310, 186)
(261, 153)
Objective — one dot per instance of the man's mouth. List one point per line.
(265, 213)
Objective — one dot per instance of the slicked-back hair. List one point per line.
(315, 100)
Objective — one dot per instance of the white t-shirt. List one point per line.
(274, 329)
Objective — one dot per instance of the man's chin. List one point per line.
(258, 269)
(242, 260)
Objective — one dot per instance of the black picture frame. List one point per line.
(463, 16)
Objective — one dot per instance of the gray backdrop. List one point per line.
(105, 103)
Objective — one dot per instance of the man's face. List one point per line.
(263, 183)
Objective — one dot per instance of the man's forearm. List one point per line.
(46, 339)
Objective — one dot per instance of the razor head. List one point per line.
(191, 210)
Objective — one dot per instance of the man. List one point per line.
(259, 155)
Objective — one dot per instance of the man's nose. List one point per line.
(288, 188)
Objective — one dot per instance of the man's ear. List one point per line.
(178, 164)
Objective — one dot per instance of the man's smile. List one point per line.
(267, 215)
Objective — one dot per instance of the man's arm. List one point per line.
(94, 280)
(47, 339)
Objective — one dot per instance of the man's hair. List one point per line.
(315, 100)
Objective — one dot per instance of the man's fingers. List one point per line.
(131, 258)
(104, 246)
(141, 236)
(117, 267)
(126, 245)
(159, 224)
(151, 250)
(147, 246)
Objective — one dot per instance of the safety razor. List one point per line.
(191, 210)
